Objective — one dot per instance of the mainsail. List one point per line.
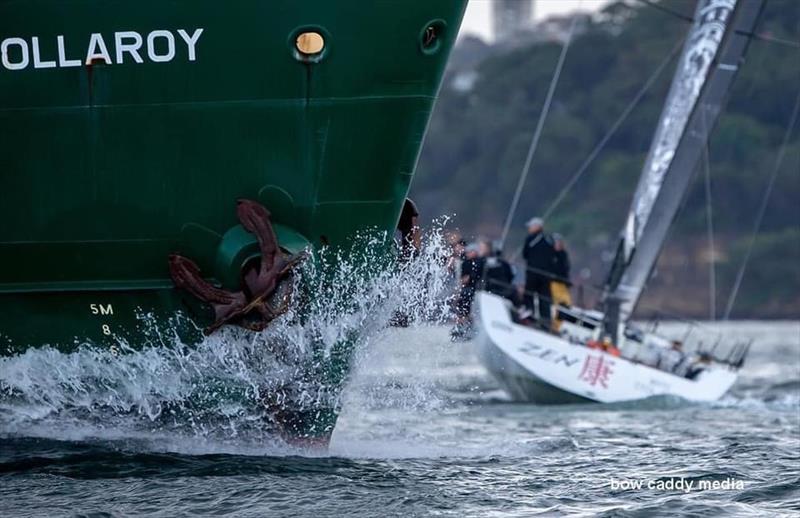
(711, 56)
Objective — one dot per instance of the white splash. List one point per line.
(223, 390)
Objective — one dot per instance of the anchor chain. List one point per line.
(250, 307)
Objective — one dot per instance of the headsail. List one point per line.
(713, 52)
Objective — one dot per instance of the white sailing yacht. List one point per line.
(576, 364)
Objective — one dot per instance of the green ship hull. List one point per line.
(129, 130)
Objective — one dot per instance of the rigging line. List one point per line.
(614, 127)
(538, 133)
(712, 263)
(771, 39)
(762, 209)
(667, 10)
(612, 130)
(754, 35)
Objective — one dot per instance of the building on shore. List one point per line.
(510, 17)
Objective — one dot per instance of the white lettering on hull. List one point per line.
(97, 50)
(63, 62)
(191, 41)
(37, 57)
(159, 46)
(21, 60)
(130, 48)
(151, 46)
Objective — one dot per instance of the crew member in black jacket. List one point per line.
(498, 275)
(561, 283)
(539, 255)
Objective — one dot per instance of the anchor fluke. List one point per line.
(250, 307)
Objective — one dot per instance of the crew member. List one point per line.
(484, 252)
(605, 345)
(538, 253)
(609, 347)
(457, 246)
(499, 275)
(454, 264)
(674, 360)
(471, 273)
(702, 363)
(559, 285)
(410, 235)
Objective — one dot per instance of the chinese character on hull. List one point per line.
(596, 371)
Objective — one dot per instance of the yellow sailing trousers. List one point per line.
(559, 292)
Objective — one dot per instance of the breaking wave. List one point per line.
(231, 389)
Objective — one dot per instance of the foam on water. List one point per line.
(422, 431)
(422, 396)
(413, 393)
(211, 397)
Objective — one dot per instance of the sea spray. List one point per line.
(230, 387)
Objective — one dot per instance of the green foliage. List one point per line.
(770, 283)
(478, 140)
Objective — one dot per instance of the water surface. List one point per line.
(426, 432)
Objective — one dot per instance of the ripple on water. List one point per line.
(416, 442)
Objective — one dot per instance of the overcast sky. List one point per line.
(478, 18)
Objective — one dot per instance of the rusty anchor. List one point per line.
(251, 307)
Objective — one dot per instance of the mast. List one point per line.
(712, 54)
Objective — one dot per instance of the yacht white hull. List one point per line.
(540, 367)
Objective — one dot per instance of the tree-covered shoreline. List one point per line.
(479, 135)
